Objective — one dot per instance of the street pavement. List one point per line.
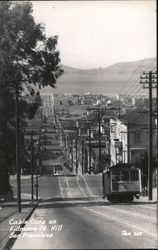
(90, 225)
(66, 185)
(62, 186)
(73, 215)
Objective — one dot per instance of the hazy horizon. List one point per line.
(143, 59)
(123, 78)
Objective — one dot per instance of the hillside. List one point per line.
(117, 68)
(109, 80)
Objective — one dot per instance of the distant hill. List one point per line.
(117, 78)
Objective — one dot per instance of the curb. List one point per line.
(145, 202)
(11, 241)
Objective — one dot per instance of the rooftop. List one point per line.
(137, 116)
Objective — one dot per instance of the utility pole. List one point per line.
(89, 129)
(38, 162)
(82, 156)
(40, 157)
(18, 169)
(72, 158)
(32, 166)
(150, 157)
(149, 79)
(99, 138)
(36, 185)
(119, 109)
(76, 141)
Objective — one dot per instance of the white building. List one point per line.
(129, 137)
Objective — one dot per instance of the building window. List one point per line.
(112, 128)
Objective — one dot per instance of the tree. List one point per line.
(28, 60)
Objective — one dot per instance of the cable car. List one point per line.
(122, 182)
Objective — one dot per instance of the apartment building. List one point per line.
(129, 137)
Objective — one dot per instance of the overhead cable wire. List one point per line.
(138, 81)
(145, 90)
(133, 73)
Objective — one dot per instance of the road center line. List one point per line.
(120, 222)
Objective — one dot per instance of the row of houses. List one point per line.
(123, 138)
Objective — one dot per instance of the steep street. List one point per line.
(72, 214)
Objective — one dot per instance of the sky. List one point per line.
(93, 34)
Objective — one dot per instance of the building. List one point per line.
(129, 137)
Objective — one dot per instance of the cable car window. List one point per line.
(116, 176)
(134, 175)
(124, 175)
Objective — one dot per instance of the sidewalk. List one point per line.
(22, 177)
(8, 211)
(146, 199)
(13, 177)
